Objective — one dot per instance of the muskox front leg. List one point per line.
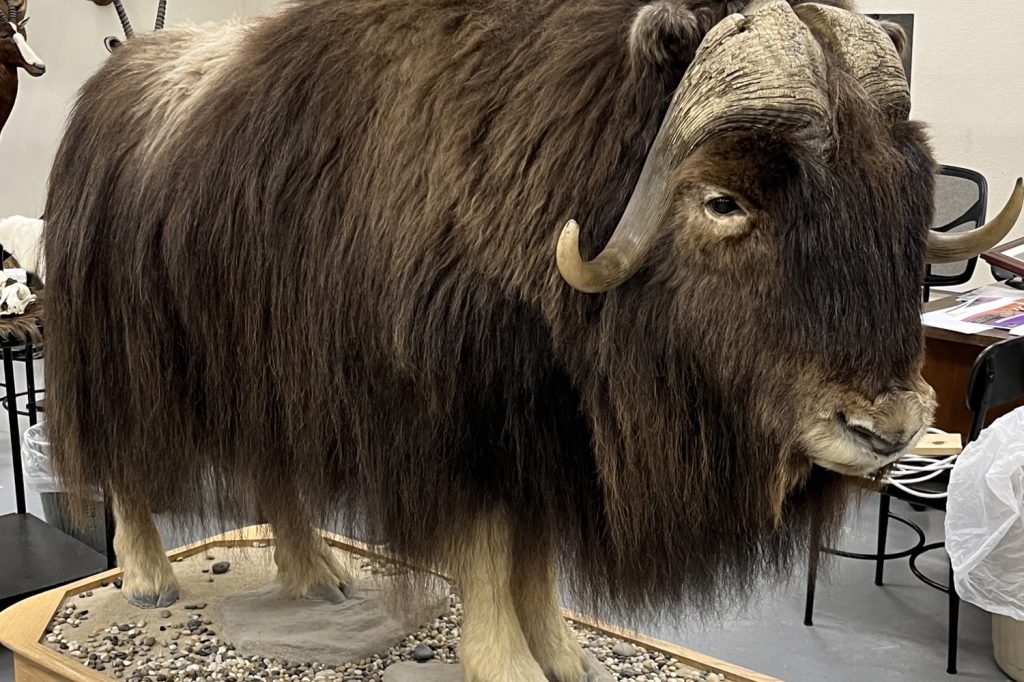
(307, 567)
(535, 591)
(148, 580)
(493, 647)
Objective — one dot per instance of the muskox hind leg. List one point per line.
(535, 591)
(493, 647)
(307, 567)
(148, 580)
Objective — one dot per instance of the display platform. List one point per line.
(93, 605)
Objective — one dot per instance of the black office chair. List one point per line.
(997, 378)
(961, 200)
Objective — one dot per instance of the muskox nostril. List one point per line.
(882, 446)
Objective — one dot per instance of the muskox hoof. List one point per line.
(328, 593)
(594, 671)
(144, 600)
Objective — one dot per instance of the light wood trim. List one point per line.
(938, 445)
(27, 671)
(681, 654)
(23, 625)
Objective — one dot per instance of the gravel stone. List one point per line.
(422, 653)
(624, 650)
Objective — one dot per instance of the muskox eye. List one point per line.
(725, 206)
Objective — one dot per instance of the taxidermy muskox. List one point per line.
(316, 262)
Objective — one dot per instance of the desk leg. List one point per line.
(12, 416)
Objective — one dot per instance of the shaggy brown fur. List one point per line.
(27, 328)
(335, 278)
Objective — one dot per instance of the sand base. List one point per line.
(236, 627)
(423, 672)
(265, 623)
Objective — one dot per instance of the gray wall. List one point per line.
(68, 36)
(969, 87)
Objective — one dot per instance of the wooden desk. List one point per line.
(949, 357)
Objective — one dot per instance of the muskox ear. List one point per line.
(897, 35)
(665, 35)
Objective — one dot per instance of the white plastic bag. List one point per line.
(36, 465)
(35, 457)
(985, 518)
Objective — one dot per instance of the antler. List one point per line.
(123, 16)
(161, 14)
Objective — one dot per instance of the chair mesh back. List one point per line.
(960, 198)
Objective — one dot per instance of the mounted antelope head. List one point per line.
(15, 54)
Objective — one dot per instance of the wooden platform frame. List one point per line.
(23, 626)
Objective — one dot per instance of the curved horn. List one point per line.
(951, 247)
(12, 11)
(126, 24)
(634, 235)
(161, 14)
(762, 70)
(867, 50)
(3, 17)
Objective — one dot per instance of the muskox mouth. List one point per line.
(857, 437)
(850, 447)
(879, 444)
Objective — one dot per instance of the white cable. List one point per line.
(912, 469)
(903, 472)
(917, 493)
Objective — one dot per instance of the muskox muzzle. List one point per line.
(855, 436)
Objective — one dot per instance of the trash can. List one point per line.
(985, 533)
(40, 479)
(1008, 645)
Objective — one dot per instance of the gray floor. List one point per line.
(894, 633)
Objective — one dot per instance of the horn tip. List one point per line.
(568, 259)
(569, 243)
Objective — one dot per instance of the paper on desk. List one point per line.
(977, 305)
(941, 319)
(1017, 331)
